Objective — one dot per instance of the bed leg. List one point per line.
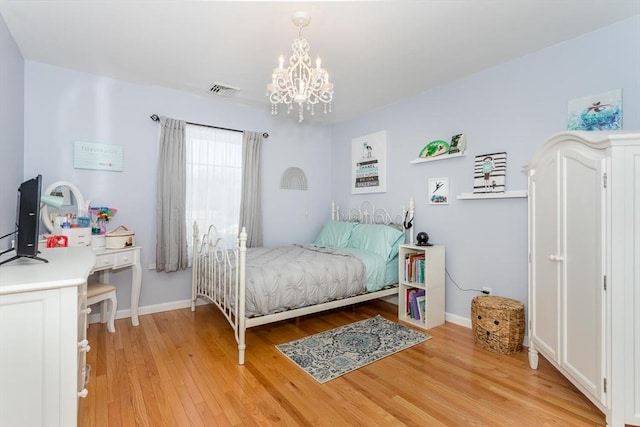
(241, 348)
(242, 343)
(193, 305)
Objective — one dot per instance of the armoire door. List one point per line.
(581, 262)
(544, 296)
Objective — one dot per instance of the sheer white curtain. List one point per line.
(214, 179)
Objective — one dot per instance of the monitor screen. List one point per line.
(28, 217)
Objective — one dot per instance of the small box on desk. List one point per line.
(79, 236)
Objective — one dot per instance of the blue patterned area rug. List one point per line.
(332, 353)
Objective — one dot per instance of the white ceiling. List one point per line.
(376, 52)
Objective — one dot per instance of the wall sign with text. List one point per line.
(88, 155)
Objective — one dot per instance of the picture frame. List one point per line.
(458, 144)
(369, 163)
(596, 112)
(489, 173)
(438, 191)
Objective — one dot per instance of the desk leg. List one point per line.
(136, 284)
(103, 276)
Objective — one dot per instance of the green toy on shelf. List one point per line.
(435, 148)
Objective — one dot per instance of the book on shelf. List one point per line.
(408, 296)
(412, 304)
(422, 303)
(414, 268)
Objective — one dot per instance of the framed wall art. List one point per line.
(438, 191)
(596, 112)
(489, 173)
(369, 163)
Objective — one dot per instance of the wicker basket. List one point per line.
(498, 323)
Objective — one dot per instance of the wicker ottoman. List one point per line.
(498, 323)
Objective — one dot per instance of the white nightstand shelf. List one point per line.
(431, 281)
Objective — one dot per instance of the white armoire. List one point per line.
(584, 266)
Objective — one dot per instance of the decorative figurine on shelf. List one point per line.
(99, 217)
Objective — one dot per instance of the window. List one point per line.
(214, 180)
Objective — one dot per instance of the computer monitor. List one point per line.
(27, 220)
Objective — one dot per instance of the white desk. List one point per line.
(114, 259)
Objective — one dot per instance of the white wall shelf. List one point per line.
(505, 195)
(440, 157)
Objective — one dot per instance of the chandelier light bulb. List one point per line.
(300, 83)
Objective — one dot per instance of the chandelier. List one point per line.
(300, 83)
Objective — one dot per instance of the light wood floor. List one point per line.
(179, 368)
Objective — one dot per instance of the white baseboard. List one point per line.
(149, 309)
(175, 305)
(458, 320)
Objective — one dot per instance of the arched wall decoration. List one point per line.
(293, 179)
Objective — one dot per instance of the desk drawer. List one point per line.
(123, 259)
(104, 261)
(113, 261)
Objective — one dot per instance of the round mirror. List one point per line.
(73, 204)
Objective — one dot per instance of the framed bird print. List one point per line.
(438, 191)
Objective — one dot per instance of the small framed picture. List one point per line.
(438, 191)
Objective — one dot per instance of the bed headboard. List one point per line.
(367, 213)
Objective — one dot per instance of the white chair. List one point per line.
(104, 293)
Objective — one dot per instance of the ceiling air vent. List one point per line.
(223, 90)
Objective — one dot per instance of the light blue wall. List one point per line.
(11, 129)
(512, 107)
(63, 106)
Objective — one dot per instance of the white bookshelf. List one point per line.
(433, 285)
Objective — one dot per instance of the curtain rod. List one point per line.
(155, 118)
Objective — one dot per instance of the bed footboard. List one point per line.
(218, 275)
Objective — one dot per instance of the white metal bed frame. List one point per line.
(219, 273)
